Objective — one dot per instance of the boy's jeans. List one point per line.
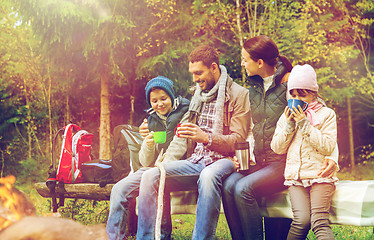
(122, 192)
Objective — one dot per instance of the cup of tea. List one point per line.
(242, 154)
(159, 136)
(296, 103)
(176, 129)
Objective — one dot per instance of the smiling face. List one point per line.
(203, 75)
(303, 95)
(160, 101)
(251, 66)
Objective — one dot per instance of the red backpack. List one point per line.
(75, 150)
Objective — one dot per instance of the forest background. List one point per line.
(87, 62)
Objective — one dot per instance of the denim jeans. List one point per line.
(241, 193)
(122, 193)
(185, 175)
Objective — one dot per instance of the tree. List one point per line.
(123, 41)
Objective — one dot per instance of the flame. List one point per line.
(10, 202)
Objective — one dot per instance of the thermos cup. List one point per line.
(242, 154)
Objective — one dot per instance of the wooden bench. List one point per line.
(353, 201)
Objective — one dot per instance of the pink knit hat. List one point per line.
(302, 77)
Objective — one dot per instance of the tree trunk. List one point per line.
(350, 129)
(50, 112)
(240, 32)
(104, 152)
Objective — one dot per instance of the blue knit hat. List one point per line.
(163, 83)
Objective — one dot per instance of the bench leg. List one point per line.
(276, 228)
(132, 219)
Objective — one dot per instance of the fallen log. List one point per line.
(89, 191)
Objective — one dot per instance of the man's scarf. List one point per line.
(219, 92)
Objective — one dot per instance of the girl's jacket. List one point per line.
(306, 145)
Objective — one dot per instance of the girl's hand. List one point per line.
(143, 129)
(288, 113)
(298, 114)
(149, 140)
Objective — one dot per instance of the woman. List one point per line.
(268, 73)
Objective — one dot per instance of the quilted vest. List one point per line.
(266, 109)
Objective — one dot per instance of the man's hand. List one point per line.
(236, 163)
(192, 131)
(143, 129)
(329, 168)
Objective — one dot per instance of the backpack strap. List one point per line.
(52, 181)
(51, 184)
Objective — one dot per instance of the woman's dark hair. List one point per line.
(262, 47)
(206, 54)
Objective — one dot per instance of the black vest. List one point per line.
(266, 109)
(155, 123)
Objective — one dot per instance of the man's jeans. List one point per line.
(122, 193)
(184, 175)
(241, 194)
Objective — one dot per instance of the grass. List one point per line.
(92, 212)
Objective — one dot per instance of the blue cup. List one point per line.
(296, 103)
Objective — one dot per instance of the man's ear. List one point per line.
(214, 67)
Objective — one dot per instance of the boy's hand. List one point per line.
(192, 131)
(149, 140)
(143, 129)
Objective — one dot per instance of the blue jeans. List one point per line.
(122, 193)
(241, 194)
(185, 175)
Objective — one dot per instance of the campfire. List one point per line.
(18, 220)
(13, 204)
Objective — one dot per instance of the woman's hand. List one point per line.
(329, 168)
(143, 129)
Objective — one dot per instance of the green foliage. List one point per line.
(367, 154)
(51, 55)
(31, 171)
(85, 211)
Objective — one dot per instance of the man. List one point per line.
(219, 116)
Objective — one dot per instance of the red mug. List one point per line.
(176, 129)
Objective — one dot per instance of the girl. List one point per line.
(307, 138)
